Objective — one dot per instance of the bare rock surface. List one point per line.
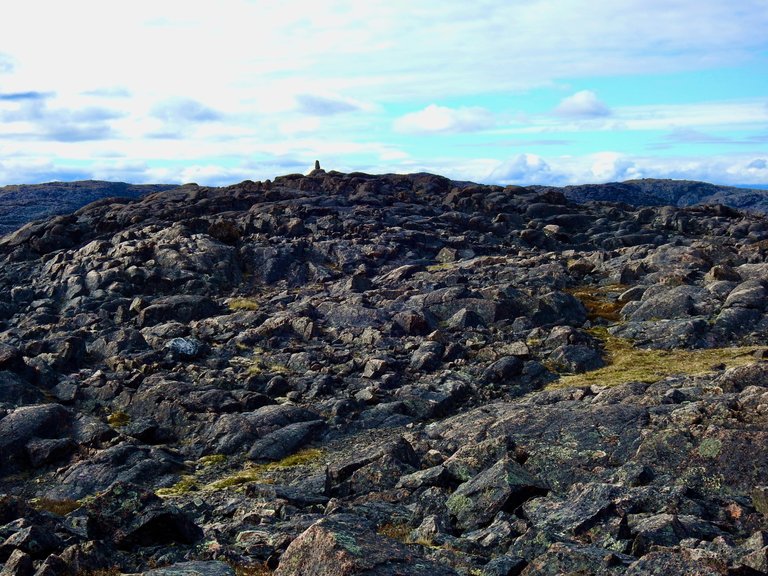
(345, 374)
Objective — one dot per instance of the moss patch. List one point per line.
(58, 507)
(186, 484)
(242, 304)
(251, 570)
(300, 458)
(396, 531)
(258, 366)
(211, 460)
(261, 473)
(601, 302)
(625, 363)
(118, 419)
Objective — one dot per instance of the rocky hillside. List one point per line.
(20, 204)
(344, 374)
(655, 192)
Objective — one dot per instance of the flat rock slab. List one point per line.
(213, 568)
(344, 546)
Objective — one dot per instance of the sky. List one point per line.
(494, 91)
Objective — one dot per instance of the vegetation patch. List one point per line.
(396, 531)
(250, 569)
(261, 472)
(211, 460)
(245, 476)
(186, 484)
(625, 363)
(258, 366)
(601, 302)
(710, 448)
(236, 304)
(300, 458)
(441, 266)
(118, 419)
(58, 507)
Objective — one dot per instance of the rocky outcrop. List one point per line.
(680, 193)
(23, 203)
(357, 374)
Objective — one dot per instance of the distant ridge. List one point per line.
(23, 203)
(660, 192)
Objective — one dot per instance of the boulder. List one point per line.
(342, 545)
(504, 486)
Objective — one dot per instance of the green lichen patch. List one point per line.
(710, 448)
(458, 504)
(348, 542)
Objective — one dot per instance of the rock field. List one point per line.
(347, 374)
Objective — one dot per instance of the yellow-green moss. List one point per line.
(441, 266)
(118, 419)
(300, 458)
(184, 485)
(211, 460)
(242, 304)
(251, 570)
(201, 480)
(258, 366)
(396, 531)
(625, 363)
(601, 302)
(58, 507)
(245, 476)
(260, 472)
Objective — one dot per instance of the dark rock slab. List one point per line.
(504, 486)
(129, 516)
(342, 545)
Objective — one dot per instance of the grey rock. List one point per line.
(199, 568)
(342, 545)
(283, 442)
(504, 486)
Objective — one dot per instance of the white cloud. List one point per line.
(255, 78)
(583, 104)
(436, 119)
(183, 110)
(682, 120)
(324, 106)
(524, 169)
(612, 166)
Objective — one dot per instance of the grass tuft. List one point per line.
(260, 472)
(601, 302)
(242, 304)
(396, 531)
(118, 419)
(183, 486)
(625, 363)
(58, 507)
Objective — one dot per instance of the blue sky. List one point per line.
(514, 91)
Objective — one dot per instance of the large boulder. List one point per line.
(343, 545)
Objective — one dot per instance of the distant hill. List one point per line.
(23, 203)
(656, 192)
